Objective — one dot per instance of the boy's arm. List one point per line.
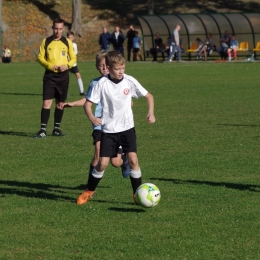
(150, 102)
(88, 110)
(77, 103)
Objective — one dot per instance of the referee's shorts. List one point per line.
(55, 85)
(74, 70)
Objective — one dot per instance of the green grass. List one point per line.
(202, 152)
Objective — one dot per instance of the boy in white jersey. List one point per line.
(75, 69)
(120, 160)
(115, 92)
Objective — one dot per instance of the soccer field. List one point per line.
(202, 153)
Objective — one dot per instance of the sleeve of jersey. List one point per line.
(94, 92)
(72, 55)
(137, 89)
(41, 57)
(89, 91)
(75, 47)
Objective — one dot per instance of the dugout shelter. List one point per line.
(246, 27)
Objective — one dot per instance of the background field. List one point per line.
(202, 152)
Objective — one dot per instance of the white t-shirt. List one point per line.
(75, 48)
(116, 100)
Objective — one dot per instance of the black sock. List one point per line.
(93, 182)
(57, 117)
(136, 182)
(45, 114)
(91, 167)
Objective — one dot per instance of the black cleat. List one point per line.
(40, 134)
(57, 132)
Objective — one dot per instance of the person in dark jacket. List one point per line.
(130, 36)
(104, 40)
(117, 40)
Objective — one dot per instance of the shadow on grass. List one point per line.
(21, 94)
(236, 186)
(35, 190)
(14, 133)
(126, 210)
(239, 125)
(42, 190)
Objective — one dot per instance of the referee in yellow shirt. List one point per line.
(57, 57)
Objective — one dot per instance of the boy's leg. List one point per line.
(80, 84)
(108, 148)
(96, 137)
(135, 174)
(93, 180)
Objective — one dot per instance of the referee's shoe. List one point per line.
(57, 132)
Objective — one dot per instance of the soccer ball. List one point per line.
(148, 195)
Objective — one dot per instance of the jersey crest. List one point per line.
(126, 91)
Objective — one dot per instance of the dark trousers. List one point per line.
(154, 52)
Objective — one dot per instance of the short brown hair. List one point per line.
(114, 57)
(70, 33)
(100, 56)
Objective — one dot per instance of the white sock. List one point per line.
(136, 173)
(97, 174)
(80, 84)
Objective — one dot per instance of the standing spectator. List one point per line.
(130, 36)
(57, 57)
(6, 58)
(117, 40)
(75, 69)
(137, 47)
(159, 47)
(233, 47)
(104, 40)
(175, 44)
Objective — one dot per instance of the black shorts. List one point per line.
(111, 141)
(55, 85)
(136, 50)
(74, 70)
(96, 136)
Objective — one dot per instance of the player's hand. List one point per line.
(55, 68)
(69, 104)
(150, 119)
(62, 68)
(96, 121)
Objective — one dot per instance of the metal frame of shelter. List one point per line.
(246, 27)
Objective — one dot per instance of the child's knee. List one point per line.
(133, 161)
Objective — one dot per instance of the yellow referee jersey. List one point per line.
(57, 53)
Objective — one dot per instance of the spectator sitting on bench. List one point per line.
(167, 46)
(224, 45)
(158, 47)
(200, 45)
(233, 47)
(208, 46)
(6, 58)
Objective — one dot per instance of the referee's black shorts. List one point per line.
(55, 85)
(74, 70)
